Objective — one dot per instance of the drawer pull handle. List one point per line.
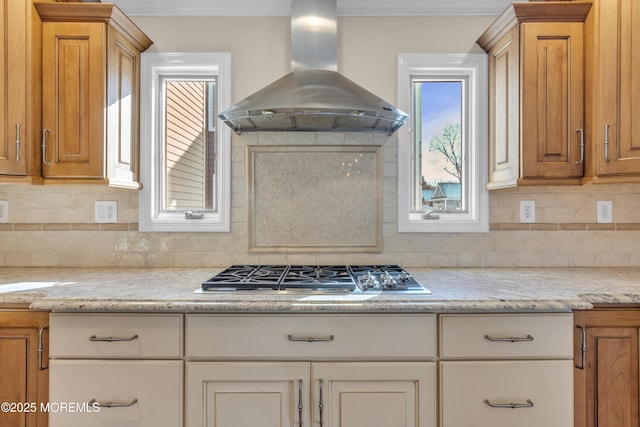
(44, 146)
(17, 142)
(508, 339)
(300, 405)
(583, 347)
(109, 404)
(41, 365)
(310, 339)
(112, 339)
(321, 403)
(511, 405)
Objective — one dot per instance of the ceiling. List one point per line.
(283, 7)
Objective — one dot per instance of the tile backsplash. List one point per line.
(53, 226)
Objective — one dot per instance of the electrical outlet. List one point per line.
(527, 211)
(4, 211)
(106, 211)
(604, 211)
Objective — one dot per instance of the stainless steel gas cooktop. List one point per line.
(314, 278)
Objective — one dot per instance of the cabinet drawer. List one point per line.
(149, 393)
(509, 336)
(542, 389)
(116, 335)
(295, 337)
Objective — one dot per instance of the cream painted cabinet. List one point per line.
(90, 100)
(20, 91)
(506, 370)
(118, 369)
(279, 394)
(613, 90)
(536, 89)
(294, 370)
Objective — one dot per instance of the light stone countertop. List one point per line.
(453, 289)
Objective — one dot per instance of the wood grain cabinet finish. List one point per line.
(20, 91)
(536, 90)
(613, 90)
(606, 373)
(24, 375)
(91, 79)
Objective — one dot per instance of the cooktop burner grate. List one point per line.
(341, 278)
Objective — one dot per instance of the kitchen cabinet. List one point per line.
(341, 370)
(90, 93)
(20, 91)
(122, 369)
(613, 91)
(24, 377)
(606, 372)
(506, 370)
(344, 394)
(536, 90)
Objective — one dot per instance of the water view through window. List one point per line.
(438, 138)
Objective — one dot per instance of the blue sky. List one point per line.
(441, 106)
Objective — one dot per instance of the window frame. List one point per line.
(155, 67)
(473, 68)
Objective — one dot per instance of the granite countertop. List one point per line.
(463, 289)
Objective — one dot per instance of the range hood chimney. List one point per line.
(314, 96)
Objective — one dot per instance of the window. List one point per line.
(185, 149)
(442, 150)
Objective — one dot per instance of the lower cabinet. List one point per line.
(24, 374)
(506, 370)
(279, 394)
(507, 393)
(293, 370)
(606, 372)
(116, 370)
(115, 393)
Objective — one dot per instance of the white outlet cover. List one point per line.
(4, 211)
(604, 211)
(106, 211)
(527, 211)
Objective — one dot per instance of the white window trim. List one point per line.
(474, 68)
(153, 67)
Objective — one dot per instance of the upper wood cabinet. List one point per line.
(536, 90)
(613, 90)
(90, 99)
(20, 91)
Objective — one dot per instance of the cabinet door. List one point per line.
(115, 393)
(617, 130)
(13, 85)
(220, 394)
(503, 108)
(507, 394)
(22, 378)
(73, 100)
(552, 100)
(612, 377)
(123, 112)
(374, 394)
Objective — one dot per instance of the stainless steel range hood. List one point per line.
(314, 96)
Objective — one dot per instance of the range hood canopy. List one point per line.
(314, 96)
